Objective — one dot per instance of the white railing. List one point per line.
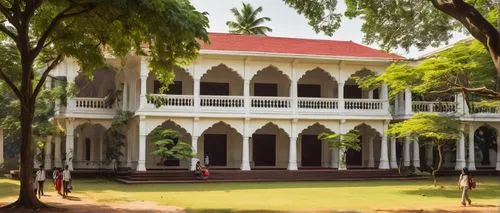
(318, 103)
(485, 109)
(430, 106)
(222, 101)
(170, 100)
(263, 102)
(364, 104)
(91, 103)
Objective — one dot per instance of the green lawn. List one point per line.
(260, 197)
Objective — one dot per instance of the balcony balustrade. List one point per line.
(429, 106)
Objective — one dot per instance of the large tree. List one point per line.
(44, 33)
(409, 23)
(247, 21)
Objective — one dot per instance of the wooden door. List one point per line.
(215, 146)
(264, 150)
(311, 151)
(355, 158)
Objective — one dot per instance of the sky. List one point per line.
(286, 22)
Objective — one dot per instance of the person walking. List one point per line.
(40, 178)
(463, 184)
(207, 160)
(35, 183)
(66, 178)
(59, 181)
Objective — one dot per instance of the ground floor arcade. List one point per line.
(248, 144)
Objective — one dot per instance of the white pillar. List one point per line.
(406, 151)
(292, 154)
(196, 92)
(125, 97)
(70, 141)
(341, 97)
(371, 160)
(396, 105)
(245, 157)
(129, 149)
(498, 152)
(384, 157)
(370, 94)
(429, 155)
(141, 163)
(334, 163)
(143, 101)
(194, 147)
(246, 95)
(460, 162)
(416, 152)
(342, 164)
(384, 95)
(57, 151)
(459, 99)
(1, 146)
(394, 161)
(408, 102)
(48, 153)
(293, 95)
(472, 161)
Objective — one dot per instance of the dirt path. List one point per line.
(81, 204)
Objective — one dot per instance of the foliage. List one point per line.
(247, 21)
(113, 138)
(169, 144)
(320, 14)
(439, 129)
(344, 142)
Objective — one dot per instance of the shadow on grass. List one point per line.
(256, 211)
(484, 191)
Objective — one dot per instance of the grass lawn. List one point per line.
(284, 196)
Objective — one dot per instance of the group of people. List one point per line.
(61, 179)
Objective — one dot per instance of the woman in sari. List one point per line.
(59, 178)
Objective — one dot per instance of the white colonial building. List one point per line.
(256, 102)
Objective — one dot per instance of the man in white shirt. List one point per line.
(66, 181)
(40, 178)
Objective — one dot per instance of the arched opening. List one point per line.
(270, 82)
(317, 83)
(157, 162)
(182, 83)
(353, 91)
(102, 83)
(221, 81)
(313, 152)
(485, 142)
(369, 154)
(89, 148)
(223, 146)
(269, 147)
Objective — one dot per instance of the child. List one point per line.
(66, 177)
(35, 183)
(463, 184)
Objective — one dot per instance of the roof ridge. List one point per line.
(283, 37)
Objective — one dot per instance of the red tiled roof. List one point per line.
(267, 44)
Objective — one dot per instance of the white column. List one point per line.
(371, 160)
(472, 161)
(408, 102)
(144, 80)
(246, 95)
(125, 97)
(498, 152)
(394, 161)
(196, 92)
(429, 155)
(334, 163)
(460, 162)
(129, 149)
(48, 153)
(406, 151)
(194, 147)
(370, 94)
(384, 157)
(292, 154)
(340, 96)
(57, 151)
(396, 104)
(245, 155)
(141, 163)
(459, 98)
(1, 146)
(416, 152)
(384, 95)
(342, 164)
(70, 141)
(293, 95)
(36, 162)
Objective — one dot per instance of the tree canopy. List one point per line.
(247, 21)
(169, 144)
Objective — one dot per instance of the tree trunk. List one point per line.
(440, 162)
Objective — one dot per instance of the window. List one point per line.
(261, 89)
(212, 88)
(87, 149)
(174, 88)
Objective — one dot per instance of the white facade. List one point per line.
(285, 120)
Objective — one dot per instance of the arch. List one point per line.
(317, 83)
(314, 128)
(360, 73)
(222, 67)
(153, 161)
(378, 126)
(223, 125)
(222, 144)
(178, 75)
(312, 152)
(237, 125)
(268, 145)
(101, 83)
(180, 123)
(271, 75)
(317, 70)
(173, 125)
(485, 145)
(269, 125)
(89, 144)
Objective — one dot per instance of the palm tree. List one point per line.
(247, 21)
